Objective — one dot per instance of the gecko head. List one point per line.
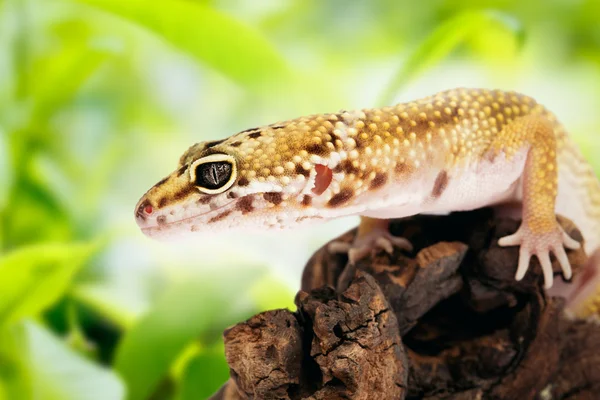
(258, 179)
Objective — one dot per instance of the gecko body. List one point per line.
(457, 150)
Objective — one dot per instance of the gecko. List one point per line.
(457, 150)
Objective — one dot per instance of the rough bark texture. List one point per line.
(446, 322)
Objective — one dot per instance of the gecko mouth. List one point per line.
(164, 226)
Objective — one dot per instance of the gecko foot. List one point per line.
(541, 245)
(371, 243)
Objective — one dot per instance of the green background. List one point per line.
(98, 99)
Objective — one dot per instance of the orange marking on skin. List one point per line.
(323, 179)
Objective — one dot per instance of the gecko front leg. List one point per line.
(373, 235)
(540, 232)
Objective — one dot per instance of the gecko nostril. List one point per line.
(145, 209)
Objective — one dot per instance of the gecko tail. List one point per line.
(583, 293)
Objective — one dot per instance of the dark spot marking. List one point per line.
(401, 168)
(379, 180)
(204, 200)
(315, 148)
(181, 170)
(277, 126)
(232, 195)
(243, 181)
(360, 143)
(441, 183)
(301, 171)
(162, 181)
(365, 174)
(273, 197)
(219, 217)
(245, 205)
(342, 197)
(183, 193)
(306, 200)
(236, 144)
(347, 167)
(334, 137)
(250, 130)
(208, 145)
(161, 220)
(255, 135)
(162, 202)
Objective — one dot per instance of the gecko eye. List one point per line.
(213, 174)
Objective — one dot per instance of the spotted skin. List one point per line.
(457, 150)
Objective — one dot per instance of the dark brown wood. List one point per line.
(447, 321)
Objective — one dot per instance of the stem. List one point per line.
(17, 139)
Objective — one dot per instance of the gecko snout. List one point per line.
(147, 215)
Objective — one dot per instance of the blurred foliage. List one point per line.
(95, 94)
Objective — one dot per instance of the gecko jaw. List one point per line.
(158, 228)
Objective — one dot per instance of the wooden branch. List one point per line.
(447, 322)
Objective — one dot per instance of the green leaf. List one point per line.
(444, 39)
(6, 182)
(57, 373)
(34, 277)
(104, 301)
(67, 69)
(14, 376)
(34, 215)
(214, 38)
(204, 375)
(499, 41)
(6, 173)
(188, 310)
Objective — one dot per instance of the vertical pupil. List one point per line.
(214, 172)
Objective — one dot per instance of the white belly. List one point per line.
(475, 186)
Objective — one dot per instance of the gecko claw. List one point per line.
(540, 245)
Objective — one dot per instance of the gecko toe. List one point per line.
(356, 254)
(563, 260)
(540, 245)
(569, 242)
(511, 240)
(524, 258)
(370, 244)
(544, 258)
(401, 243)
(385, 244)
(339, 247)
